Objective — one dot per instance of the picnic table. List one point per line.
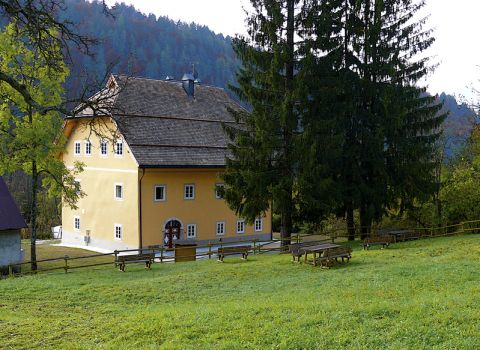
(401, 235)
(317, 249)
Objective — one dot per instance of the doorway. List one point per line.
(172, 232)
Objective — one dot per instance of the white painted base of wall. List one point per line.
(75, 240)
(89, 247)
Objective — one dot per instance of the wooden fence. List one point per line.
(209, 250)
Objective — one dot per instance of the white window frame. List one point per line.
(155, 193)
(194, 227)
(217, 225)
(115, 191)
(115, 226)
(103, 142)
(185, 191)
(79, 144)
(75, 228)
(258, 220)
(242, 222)
(87, 142)
(217, 195)
(117, 143)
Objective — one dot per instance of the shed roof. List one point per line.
(165, 127)
(10, 217)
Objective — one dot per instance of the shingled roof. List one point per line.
(10, 217)
(164, 127)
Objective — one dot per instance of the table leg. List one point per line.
(306, 257)
(314, 259)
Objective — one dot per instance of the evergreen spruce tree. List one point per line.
(396, 124)
(262, 168)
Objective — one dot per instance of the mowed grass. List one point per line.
(45, 251)
(415, 295)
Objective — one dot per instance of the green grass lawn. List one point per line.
(46, 251)
(416, 295)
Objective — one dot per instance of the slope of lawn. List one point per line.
(414, 295)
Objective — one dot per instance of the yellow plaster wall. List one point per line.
(204, 211)
(99, 211)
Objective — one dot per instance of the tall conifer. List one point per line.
(261, 170)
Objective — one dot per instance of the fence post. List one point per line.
(116, 257)
(209, 250)
(161, 254)
(10, 270)
(298, 237)
(66, 263)
(254, 245)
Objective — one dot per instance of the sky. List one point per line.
(456, 50)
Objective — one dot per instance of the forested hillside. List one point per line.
(458, 125)
(144, 45)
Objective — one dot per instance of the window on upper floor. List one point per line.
(88, 148)
(118, 191)
(118, 231)
(189, 192)
(258, 225)
(219, 190)
(77, 148)
(76, 223)
(103, 147)
(191, 230)
(220, 228)
(160, 193)
(119, 148)
(241, 226)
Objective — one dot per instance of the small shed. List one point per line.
(11, 221)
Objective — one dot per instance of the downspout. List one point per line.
(140, 211)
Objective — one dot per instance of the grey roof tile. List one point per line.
(165, 127)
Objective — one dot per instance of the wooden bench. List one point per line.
(296, 249)
(240, 249)
(383, 240)
(122, 260)
(332, 255)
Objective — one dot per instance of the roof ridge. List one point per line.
(165, 81)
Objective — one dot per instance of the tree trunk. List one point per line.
(286, 227)
(287, 207)
(365, 223)
(350, 222)
(33, 217)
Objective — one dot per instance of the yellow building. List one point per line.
(151, 168)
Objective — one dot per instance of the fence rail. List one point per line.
(205, 250)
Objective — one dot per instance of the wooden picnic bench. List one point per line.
(239, 249)
(317, 251)
(296, 249)
(383, 240)
(122, 260)
(332, 255)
